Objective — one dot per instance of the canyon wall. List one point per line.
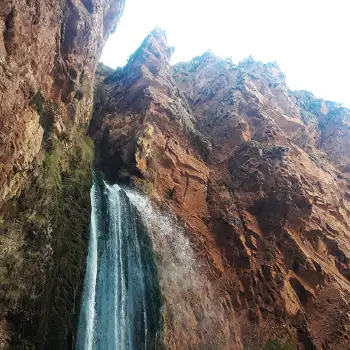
(255, 174)
(258, 176)
(48, 55)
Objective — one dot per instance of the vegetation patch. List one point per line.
(46, 233)
(274, 344)
(308, 118)
(201, 144)
(143, 185)
(171, 193)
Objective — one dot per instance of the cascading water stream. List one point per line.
(144, 286)
(121, 298)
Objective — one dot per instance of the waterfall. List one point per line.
(194, 316)
(121, 299)
(144, 285)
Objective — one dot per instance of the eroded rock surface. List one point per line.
(259, 176)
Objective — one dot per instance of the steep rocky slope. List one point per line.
(48, 55)
(257, 174)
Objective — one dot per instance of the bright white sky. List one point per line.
(310, 39)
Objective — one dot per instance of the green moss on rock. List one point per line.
(46, 230)
(274, 344)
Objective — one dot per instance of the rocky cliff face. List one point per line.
(48, 55)
(257, 174)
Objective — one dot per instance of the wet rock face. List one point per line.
(257, 173)
(48, 54)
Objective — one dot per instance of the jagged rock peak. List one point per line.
(270, 71)
(206, 57)
(318, 106)
(149, 60)
(154, 44)
(205, 61)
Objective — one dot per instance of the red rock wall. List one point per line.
(262, 191)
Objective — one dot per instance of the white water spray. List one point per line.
(195, 317)
(119, 307)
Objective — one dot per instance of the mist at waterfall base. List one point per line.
(143, 285)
